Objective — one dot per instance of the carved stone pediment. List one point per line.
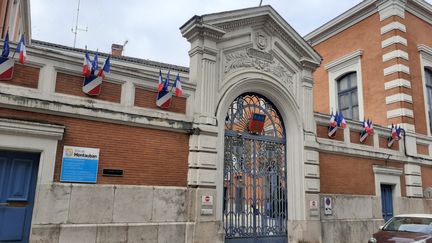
(260, 60)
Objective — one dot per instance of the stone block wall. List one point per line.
(356, 218)
(110, 213)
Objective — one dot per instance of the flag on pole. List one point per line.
(21, 50)
(395, 135)
(164, 97)
(178, 91)
(6, 63)
(367, 130)
(5, 52)
(106, 68)
(86, 65)
(341, 121)
(94, 64)
(160, 82)
(92, 84)
(332, 128)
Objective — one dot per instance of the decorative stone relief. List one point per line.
(263, 61)
(261, 40)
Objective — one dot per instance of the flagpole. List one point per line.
(17, 47)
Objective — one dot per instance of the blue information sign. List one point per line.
(79, 164)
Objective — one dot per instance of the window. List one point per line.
(428, 81)
(347, 96)
(345, 85)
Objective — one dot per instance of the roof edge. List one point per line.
(146, 62)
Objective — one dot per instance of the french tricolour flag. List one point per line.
(21, 50)
(106, 68)
(86, 65)
(93, 83)
(178, 91)
(5, 52)
(6, 63)
(164, 96)
(341, 121)
(332, 128)
(160, 82)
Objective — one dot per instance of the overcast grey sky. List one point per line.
(152, 27)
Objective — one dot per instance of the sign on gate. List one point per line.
(79, 164)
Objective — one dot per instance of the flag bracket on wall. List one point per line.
(337, 120)
(395, 135)
(367, 130)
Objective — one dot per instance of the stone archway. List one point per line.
(247, 51)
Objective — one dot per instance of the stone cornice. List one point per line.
(265, 16)
(387, 170)
(30, 128)
(196, 27)
(355, 55)
(309, 64)
(388, 8)
(34, 101)
(424, 48)
(421, 9)
(425, 51)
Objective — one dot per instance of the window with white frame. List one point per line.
(345, 85)
(426, 69)
(347, 95)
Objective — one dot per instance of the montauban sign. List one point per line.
(79, 164)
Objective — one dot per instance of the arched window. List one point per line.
(428, 77)
(347, 96)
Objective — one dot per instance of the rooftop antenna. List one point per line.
(124, 45)
(260, 3)
(75, 31)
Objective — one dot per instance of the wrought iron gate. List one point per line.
(255, 196)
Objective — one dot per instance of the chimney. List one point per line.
(116, 50)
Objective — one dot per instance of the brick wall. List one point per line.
(383, 143)
(24, 76)
(419, 33)
(355, 138)
(72, 85)
(422, 149)
(147, 98)
(322, 132)
(364, 35)
(426, 176)
(147, 156)
(341, 174)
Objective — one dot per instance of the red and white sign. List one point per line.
(207, 200)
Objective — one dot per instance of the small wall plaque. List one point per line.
(112, 172)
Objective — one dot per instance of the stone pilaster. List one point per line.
(203, 153)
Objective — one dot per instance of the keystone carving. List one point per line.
(263, 61)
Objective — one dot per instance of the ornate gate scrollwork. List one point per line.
(255, 196)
